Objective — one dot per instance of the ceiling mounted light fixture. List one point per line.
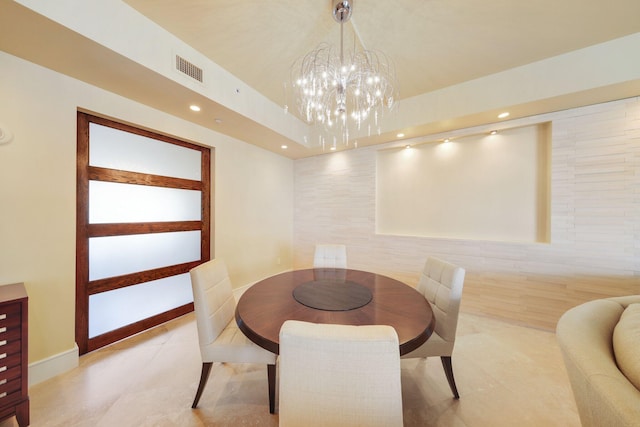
(341, 91)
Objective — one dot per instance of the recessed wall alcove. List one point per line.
(476, 187)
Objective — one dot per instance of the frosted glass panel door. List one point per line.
(143, 223)
(115, 149)
(114, 202)
(118, 255)
(114, 309)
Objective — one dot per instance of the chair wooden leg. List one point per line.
(204, 376)
(271, 377)
(448, 370)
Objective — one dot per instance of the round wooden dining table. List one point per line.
(336, 296)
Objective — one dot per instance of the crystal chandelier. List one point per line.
(340, 91)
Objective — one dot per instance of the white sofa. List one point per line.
(600, 343)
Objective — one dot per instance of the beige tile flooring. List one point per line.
(507, 375)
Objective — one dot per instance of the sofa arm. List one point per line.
(604, 396)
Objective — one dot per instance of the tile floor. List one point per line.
(507, 375)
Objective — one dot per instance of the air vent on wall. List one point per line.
(188, 68)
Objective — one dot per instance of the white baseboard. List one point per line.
(55, 365)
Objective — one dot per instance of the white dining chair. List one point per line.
(339, 375)
(441, 284)
(330, 256)
(218, 335)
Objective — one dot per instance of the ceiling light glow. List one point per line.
(194, 108)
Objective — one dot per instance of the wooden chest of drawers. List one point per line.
(14, 384)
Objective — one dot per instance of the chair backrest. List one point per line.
(339, 375)
(441, 284)
(213, 299)
(330, 256)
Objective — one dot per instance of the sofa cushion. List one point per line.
(626, 343)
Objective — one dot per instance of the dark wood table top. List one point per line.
(266, 305)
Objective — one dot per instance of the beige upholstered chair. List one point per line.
(339, 375)
(330, 256)
(441, 284)
(219, 337)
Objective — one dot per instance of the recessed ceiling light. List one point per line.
(400, 135)
(333, 148)
(446, 140)
(194, 108)
(218, 120)
(493, 132)
(407, 146)
(503, 115)
(284, 147)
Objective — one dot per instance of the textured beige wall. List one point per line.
(253, 195)
(594, 230)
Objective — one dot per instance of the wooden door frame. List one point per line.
(84, 230)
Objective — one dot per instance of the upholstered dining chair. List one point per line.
(330, 256)
(441, 284)
(218, 335)
(339, 375)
